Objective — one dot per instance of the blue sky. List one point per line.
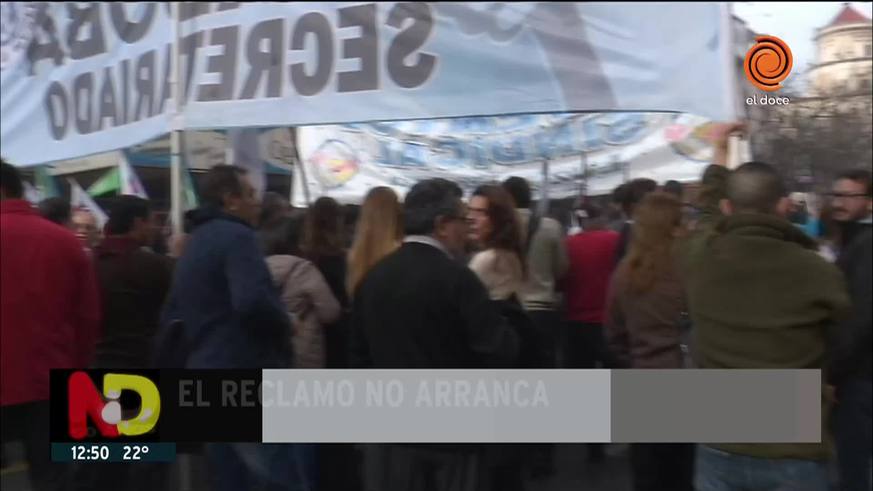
(794, 22)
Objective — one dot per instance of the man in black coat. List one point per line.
(134, 283)
(421, 308)
(223, 312)
(850, 367)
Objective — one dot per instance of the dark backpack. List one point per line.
(518, 319)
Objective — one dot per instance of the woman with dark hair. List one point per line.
(500, 265)
(495, 229)
(322, 243)
(305, 294)
(645, 306)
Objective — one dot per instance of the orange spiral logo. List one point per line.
(768, 63)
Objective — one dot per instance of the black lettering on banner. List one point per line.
(269, 61)
(189, 46)
(108, 100)
(57, 109)
(166, 87)
(82, 18)
(125, 91)
(189, 10)
(131, 32)
(144, 79)
(408, 41)
(365, 48)
(83, 105)
(317, 24)
(45, 44)
(224, 65)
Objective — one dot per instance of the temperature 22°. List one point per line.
(134, 452)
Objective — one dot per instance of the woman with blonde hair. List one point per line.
(378, 233)
(644, 315)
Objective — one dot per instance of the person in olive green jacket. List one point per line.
(759, 297)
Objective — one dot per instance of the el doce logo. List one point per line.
(768, 63)
(105, 411)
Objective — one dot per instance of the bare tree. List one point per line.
(813, 138)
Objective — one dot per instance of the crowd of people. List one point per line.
(433, 281)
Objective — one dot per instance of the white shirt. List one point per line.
(500, 271)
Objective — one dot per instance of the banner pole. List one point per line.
(175, 134)
(304, 184)
(734, 106)
(294, 159)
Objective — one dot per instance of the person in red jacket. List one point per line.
(49, 318)
(585, 287)
(591, 254)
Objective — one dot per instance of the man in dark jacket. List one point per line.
(133, 286)
(134, 283)
(421, 308)
(759, 296)
(850, 367)
(222, 291)
(230, 316)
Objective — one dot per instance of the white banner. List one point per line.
(83, 78)
(345, 161)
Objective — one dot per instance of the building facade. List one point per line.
(844, 55)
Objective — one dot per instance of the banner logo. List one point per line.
(335, 163)
(105, 411)
(768, 63)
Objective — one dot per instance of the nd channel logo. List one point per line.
(105, 411)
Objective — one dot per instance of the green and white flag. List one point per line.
(109, 183)
(79, 199)
(130, 183)
(119, 180)
(189, 195)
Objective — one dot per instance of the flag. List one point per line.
(80, 199)
(109, 183)
(45, 183)
(130, 183)
(32, 194)
(120, 180)
(189, 194)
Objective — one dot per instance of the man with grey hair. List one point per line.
(463, 329)
(759, 296)
(421, 308)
